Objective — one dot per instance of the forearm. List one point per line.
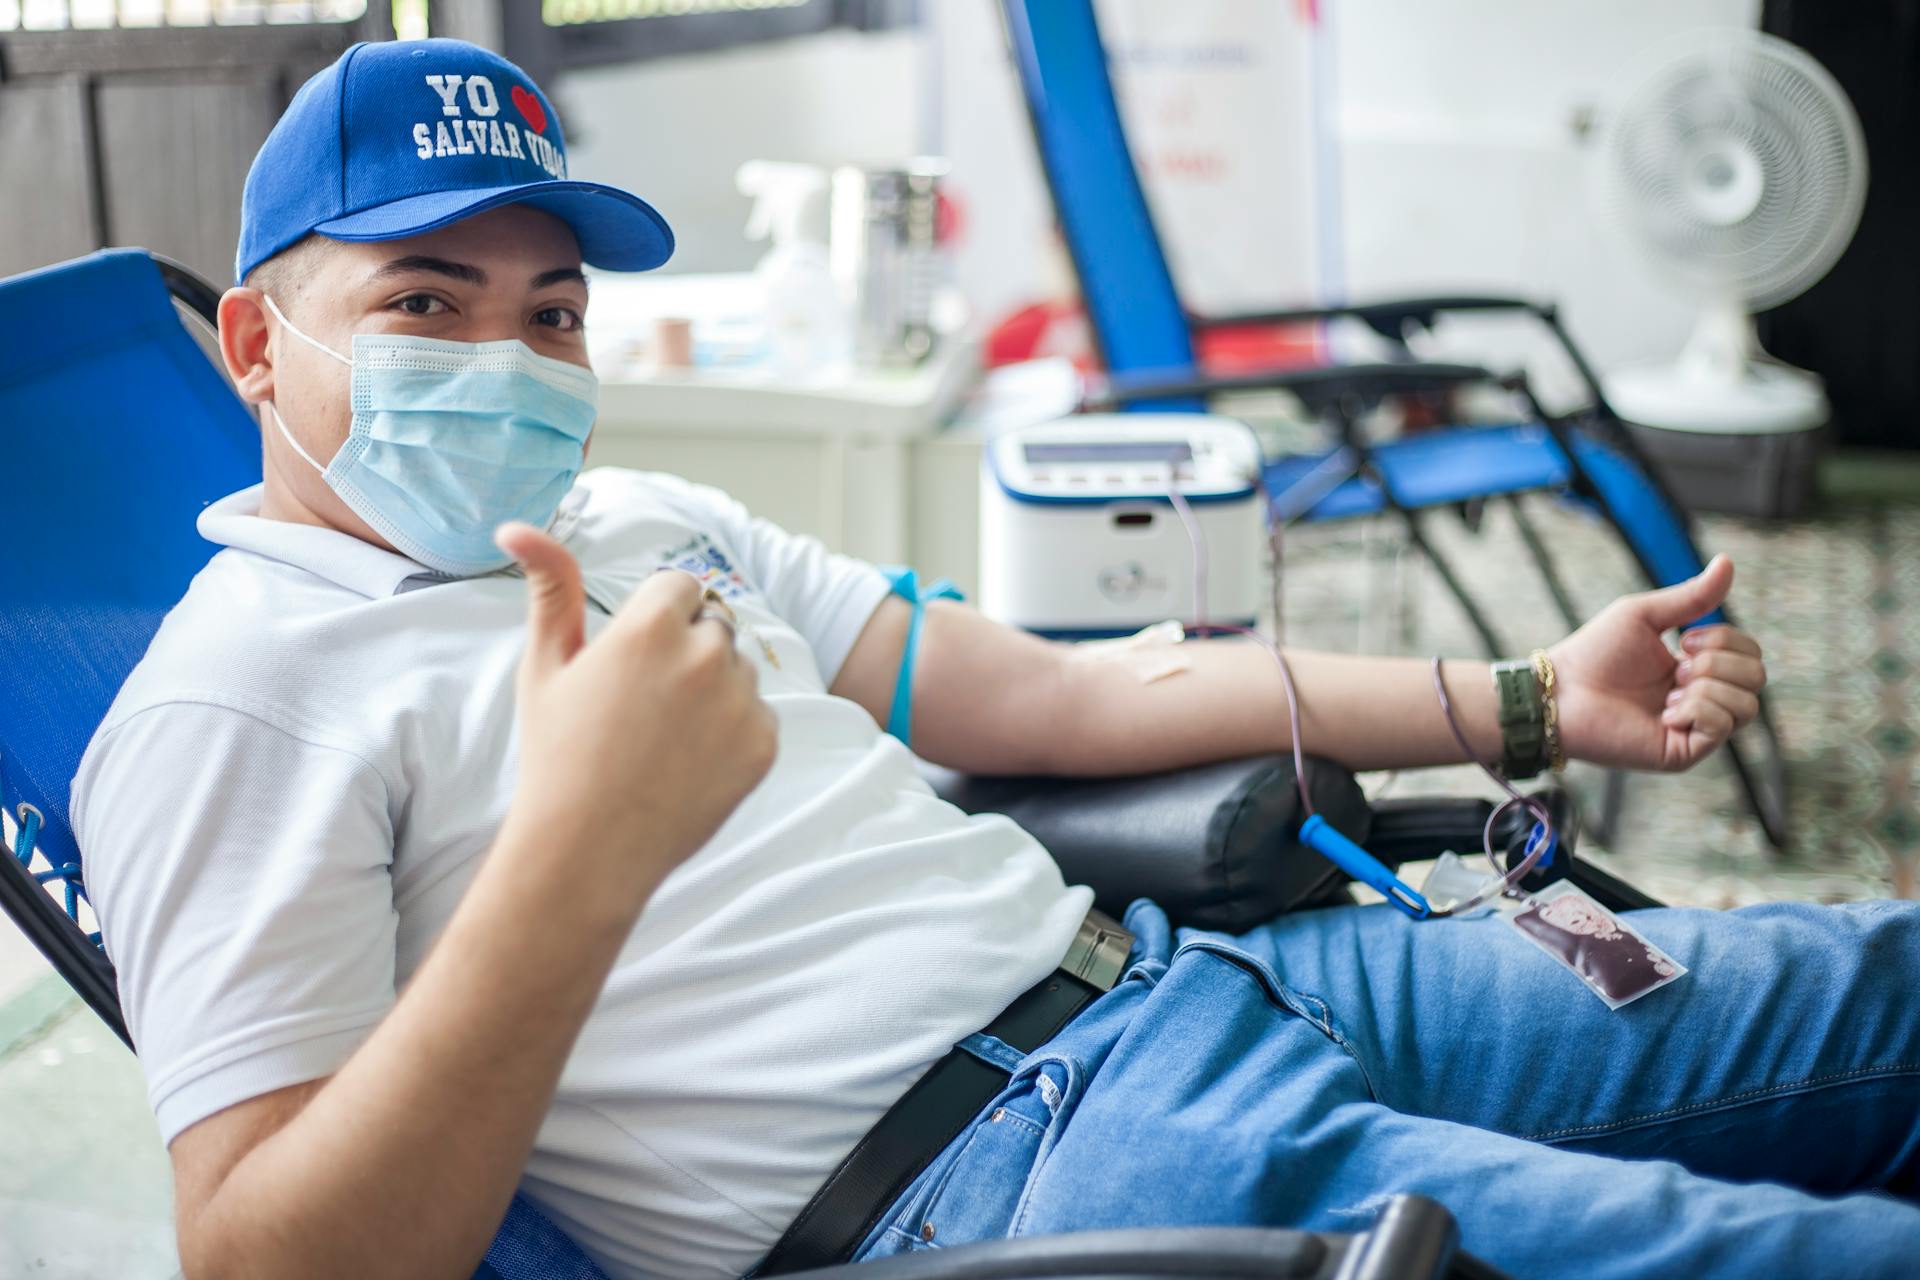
(990, 699)
(403, 1163)
(1228, 701)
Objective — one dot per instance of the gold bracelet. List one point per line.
(1543, 669)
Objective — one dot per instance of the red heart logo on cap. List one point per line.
(529, 106)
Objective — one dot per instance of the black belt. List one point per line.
(931, 1114)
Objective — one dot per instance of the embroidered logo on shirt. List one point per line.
(699, 557)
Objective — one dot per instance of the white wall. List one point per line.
(1451, 158)
(1456, 163)
(1215, 94)
(1240, 221)
(1006, 255)
(674, 131)
(1217, 101)
(1461, 165)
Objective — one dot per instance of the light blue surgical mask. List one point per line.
(451, 439)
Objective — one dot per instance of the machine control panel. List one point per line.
(1103, 457)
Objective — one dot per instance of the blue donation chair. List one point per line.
(116, 429)
(1146, 339)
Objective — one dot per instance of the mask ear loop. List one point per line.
(293, 329)
(318, 345)
(287, 435)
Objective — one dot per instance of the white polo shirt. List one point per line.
(295, 786)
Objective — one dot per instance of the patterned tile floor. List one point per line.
(1835, 602)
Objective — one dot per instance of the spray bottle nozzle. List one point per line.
(781, 191)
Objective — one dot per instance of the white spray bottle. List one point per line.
(808, 335)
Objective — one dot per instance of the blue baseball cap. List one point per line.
(402, 137)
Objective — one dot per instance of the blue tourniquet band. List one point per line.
(905, 583)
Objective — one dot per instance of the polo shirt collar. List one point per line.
(354, 563)
(235, 521)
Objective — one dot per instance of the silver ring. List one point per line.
(25, 809)
(721, 615)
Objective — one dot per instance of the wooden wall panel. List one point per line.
(174, 154)
(45, 213)
(143, 137)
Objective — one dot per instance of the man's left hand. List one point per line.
(1627, 700)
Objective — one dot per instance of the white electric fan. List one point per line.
(1737, 168)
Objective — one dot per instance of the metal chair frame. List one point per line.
(1160, 371)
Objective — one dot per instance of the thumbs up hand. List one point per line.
(1628, 700)
(636, 745)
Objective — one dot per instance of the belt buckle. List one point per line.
(1098, 953)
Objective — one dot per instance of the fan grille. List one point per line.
(1739, 168)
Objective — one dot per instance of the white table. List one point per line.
(872, 463)
(855, 463)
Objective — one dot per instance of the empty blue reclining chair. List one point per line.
(116, 429)
(1146, 339)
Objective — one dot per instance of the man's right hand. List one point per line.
(641, 743)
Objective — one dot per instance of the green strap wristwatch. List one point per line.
(1523, 718)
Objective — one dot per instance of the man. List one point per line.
(428, 877)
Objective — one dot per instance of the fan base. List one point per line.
(1762, 399)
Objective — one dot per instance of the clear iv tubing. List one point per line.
(1539, 844)
(1197, 541)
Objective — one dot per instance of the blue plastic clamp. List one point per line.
(1318, 834)
(1534, 838)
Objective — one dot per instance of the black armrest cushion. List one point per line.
(1214, 845)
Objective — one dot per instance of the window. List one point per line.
(106, 15)
(556, 35)
(570, 13)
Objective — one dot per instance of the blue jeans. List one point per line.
(1762, 1114)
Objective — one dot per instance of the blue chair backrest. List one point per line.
(115, 430)
(1128, 289)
